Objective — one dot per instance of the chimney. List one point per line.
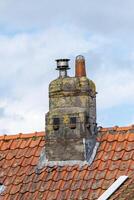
(62, 66)
(80, 69)
(71, 120)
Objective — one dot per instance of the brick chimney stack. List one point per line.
(71, 120)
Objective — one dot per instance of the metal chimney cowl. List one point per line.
(62, 66)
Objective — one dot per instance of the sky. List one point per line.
(35, 33)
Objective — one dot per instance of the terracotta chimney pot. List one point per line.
(80, 69)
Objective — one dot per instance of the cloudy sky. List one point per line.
(34, 33)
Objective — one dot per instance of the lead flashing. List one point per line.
(2, 188)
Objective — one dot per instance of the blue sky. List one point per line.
(35, 33)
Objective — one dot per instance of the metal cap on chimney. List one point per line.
(80, 69)
(62, 66)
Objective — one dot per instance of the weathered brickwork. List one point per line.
(71, 118)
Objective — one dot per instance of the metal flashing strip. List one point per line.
(113, 188)
(67, 162)
(93, 153)
(43, 162)
(2, 188)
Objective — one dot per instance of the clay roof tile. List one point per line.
(19, 155)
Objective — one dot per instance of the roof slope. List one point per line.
(19, 156)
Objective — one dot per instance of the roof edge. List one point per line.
(22, 136)
(42, 133)
(116, 128)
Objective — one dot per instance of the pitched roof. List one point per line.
(19, 155)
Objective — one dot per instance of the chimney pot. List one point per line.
(80, 69)
(62, 66)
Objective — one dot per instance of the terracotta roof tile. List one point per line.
(93, 195)
(107, 183)
(107, 155)
(104, 165)
(15, 189)
(99, 155)
(118, 155)
(10, 137)
(131, 137)
(8, 163)
(86, 185)
(5, 145)
(101, 174)
(113, 165)
(111, 174)
(89, 175)
(85, 195)
(129, 146)
(27, 161)
(121, 146)
(19, 155)
(3, 155)
(97, 183)
(25, 143)
(15, 144)
(34, 161)
(131, 167)
(11, 154)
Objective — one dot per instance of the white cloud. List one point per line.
(34, 33)
(27, 66)
(94, 16)
(115, 87)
